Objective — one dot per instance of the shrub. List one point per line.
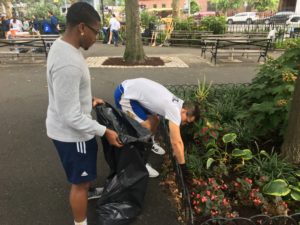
(184, 24)
(270, 93)
(147, 18)
(216, 24)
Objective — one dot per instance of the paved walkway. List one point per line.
(32, 183)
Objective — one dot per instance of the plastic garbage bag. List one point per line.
(125, 188)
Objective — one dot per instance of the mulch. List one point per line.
(118, 61)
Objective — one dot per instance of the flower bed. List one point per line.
(233, 175)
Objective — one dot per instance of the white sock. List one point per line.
(152, 138)
(81, 223)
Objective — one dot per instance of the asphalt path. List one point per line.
(33, 187)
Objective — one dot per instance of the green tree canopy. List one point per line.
(224, 5)
(263, 5)
(194, 7)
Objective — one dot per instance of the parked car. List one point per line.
(244, 17)
(294, 21)
(293, 24)
(280, 17)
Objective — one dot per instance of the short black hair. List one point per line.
(193, 109)
(82, 12)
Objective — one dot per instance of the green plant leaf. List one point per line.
(209, 162)
(245, 154)
(295, 195)
(264, 153)
(295, 188)
(211, 144)
(229, 137)
(211, 151)
(277, 188)
(297, 173)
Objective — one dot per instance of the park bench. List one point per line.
(27, 46)
(208, 41)
(242, 46)
(187, 38)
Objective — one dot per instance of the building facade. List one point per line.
(149, 4)
(289, 5)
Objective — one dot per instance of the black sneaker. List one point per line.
(95, 193)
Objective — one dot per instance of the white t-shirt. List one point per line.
(154, 97)
(114, 24)
(18, 25)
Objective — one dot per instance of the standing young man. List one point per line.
(143, 100)
(114, 25)
(53, 23)
(69, 122)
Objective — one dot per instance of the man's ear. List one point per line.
(183, 110)
(80, 28)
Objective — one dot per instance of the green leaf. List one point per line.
(211, 151)
(295, 195)
(245, 154)
(264, 153)
(211, 144)
(209, 162)
(297, 173)
(277, 188)
(294, 188)
(229, 137)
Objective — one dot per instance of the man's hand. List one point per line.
(97, 101)
(113, 138)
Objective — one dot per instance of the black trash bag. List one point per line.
(123, 195)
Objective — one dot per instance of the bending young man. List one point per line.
(69, 122)
(144, 100)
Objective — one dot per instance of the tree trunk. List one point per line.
(134, 51)
(175, 9)
(291, 144)
(7, 8)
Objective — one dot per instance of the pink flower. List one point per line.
(212, 197)
(211, 180)
(214, 212)
(236, 184)
(248, 180)
(204, 199)
(257, 201)
(225, 202)
(198, 196)
(224, 187)
(208, 193)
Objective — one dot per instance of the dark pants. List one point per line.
(115, 37)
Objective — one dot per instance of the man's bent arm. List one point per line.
(176, 142)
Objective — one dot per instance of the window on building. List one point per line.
(163, 5)
(154, 6)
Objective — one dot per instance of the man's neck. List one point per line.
(71, 38)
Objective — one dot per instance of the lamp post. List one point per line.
(66, 7)
(102, 11)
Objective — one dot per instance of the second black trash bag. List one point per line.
(125, 188)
